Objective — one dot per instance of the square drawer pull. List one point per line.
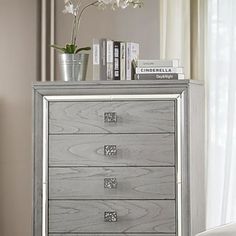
(110, 150)
(110, 183)
(110, 216)
(110, 117)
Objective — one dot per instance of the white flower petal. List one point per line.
(69, 8)
(105, 1)
(119, 3)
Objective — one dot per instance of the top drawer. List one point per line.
(111, 117)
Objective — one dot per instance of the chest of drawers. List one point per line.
(118, 158)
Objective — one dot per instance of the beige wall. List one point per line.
(17, 71)
(18, 66)
(136, 25)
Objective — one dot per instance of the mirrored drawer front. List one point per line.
(148, 216)
(112, 150)
(111, 117)
(112, 183)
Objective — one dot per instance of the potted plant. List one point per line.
(74, 59)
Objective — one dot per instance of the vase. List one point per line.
(73, 66)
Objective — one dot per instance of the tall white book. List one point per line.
(109, 59)
(132, 53)
(122, 61)
(96, 59)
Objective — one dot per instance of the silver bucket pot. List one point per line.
(73, 66)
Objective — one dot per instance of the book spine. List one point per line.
(116, 55)
(96, 59)
(122, 61)
(153, 70)
(132, 53)
(103, 63)
(128, 61)
(158, 63)
(134, 57)
(170, 76)
(110, 60)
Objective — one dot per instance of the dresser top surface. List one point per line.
(115, 87)
(61, 84)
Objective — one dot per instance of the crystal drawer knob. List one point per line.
(110, 150)
(110, 117)
(110, 183)
(110, 216)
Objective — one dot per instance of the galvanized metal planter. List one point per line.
(73, 66)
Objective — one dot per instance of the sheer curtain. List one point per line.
(221, 106)
(175, 32)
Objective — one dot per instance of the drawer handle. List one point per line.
(110, 183)
(110, 216)
(110, 150)
(110, 117)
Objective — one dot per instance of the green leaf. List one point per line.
(83, 49)
(58, 48)
(70, 48)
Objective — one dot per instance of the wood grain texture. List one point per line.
(88, 150)
(192, 214)
(132, 117)
(133, 183)
(197, 161)
(133, 216)
(113, 87)
(37, 162)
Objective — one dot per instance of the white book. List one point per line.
(109, 58)
(96, 59)
(122, 61)
(158, 63)
(168, 76)
(158, 70)
(132, 53)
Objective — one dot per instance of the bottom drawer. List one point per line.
(127, 216)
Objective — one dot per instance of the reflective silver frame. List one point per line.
(182, 185)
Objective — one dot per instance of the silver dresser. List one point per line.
(118, 158)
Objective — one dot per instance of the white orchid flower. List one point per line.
(78, 7)
(69, 8)
(119, 3)
(124, 4)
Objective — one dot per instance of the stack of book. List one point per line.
(158, 70)
(112, 60)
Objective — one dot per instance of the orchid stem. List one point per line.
(73, 29)
(79, 19)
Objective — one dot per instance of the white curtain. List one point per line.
(221, 106)
(175, 32)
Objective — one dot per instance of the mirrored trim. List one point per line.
(112, 97)
(180, 98)
(45, 169)
(179, 178)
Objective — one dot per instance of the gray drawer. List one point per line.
(134, 150)
(148, 216)
(131, 117)
(112, 183)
